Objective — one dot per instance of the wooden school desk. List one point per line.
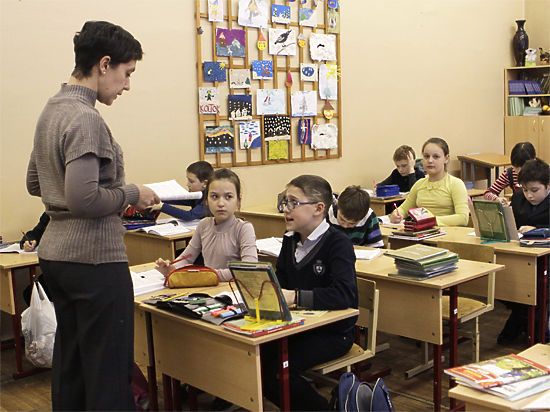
(414, 308)
(223, 363)
(475, 400)
(525, 279)
(9, 262)
(486, 160)
(142, 247)
(266, 219)
(378, 204)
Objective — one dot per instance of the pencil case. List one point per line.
(192, 276)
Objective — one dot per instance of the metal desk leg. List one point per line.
(543, 297)
(438, 377)
(453, 334)
(284, 377)
(151, 368)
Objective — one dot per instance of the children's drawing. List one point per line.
(270, 101)
(328, 110)
(322, 46)
(333, 4)
(308, 17)
(328, 81)
(302, 41)
(239, 78)
(277, 149)
(219, 139)
(250, 135)
(215, 10)
(253, 13)
(262, 69)
(333, 21)
(239, 106)
(209, 100)
(304, 103)
(282, 42)
(214, 72)
(261, 43)
(324, 136)
(276, 128)
(304, 131)
(308, 72)
(280, 14)
(230, 42)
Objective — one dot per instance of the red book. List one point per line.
(422, 219)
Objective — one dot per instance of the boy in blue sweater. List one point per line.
(316, 270)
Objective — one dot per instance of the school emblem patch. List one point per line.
(318, 268)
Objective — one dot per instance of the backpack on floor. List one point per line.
(356, 396)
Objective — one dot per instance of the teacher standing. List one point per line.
(77, 168)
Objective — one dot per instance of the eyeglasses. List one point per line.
(291, 204)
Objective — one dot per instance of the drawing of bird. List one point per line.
(283, 37)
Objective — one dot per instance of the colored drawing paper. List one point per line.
(270, 101)
(277, 149)
(308, 17)
(333, 4)
(214, 72)
(276, 128)
(304, 103)
(280, 14)
(239, 78)
(282, 42)
(209, 100)
(250, 135)
(262, 69)
(230, 42)
(253, 13)
(328, 83)
(219, 139)
(239, 106)
(215, 10)
(322, 46)
(308, 72)
(333, 21)
(324, 136)
(304, 131)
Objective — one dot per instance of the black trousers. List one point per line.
(304, 351)
(94, 348)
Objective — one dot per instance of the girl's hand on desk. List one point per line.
(164, 266)
(524, 229)
(396, 217)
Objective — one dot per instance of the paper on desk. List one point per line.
(15, 248)
(541, 403)
(188, 224)
(367, 254)
(172, 190)
(270, 246)
(385, 220)
(147, 281)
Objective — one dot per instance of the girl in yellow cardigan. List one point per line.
(439, 192)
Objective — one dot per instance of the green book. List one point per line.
(416, 253)
(441, 260)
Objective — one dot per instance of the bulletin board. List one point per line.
(269, 81)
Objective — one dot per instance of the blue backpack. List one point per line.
(356, 396)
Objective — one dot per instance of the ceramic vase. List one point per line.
(520, 43)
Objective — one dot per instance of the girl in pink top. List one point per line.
(221, 237)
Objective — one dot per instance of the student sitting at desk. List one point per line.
(405, 173)
(444, 195)
(316, 270)
(221, 237)
(521, 153)
(198, 174)
(351, 213)
(531, 207)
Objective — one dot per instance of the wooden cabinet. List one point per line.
(534, 129)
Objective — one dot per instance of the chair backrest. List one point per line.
(368, 310)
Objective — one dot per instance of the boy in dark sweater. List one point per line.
(531, 206)
(316, 270)
(352, 215)
(406, 173)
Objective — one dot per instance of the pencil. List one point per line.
(24, 236)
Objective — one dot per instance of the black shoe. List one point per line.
(220, 404)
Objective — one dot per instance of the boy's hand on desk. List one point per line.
(524, 229)
(503, 201)
(290, 296)
(396, 217)
(164, 266)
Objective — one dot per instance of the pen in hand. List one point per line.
(397, 210)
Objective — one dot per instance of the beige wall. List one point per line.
(411, 70)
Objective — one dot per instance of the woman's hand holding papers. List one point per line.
(147, 198)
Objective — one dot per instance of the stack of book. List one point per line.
(511, 377)
(421, 262)
(536, 238)
(417, 235)
(515, 106)
(524, 87)
(420, 219)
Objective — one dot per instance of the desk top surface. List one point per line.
(15, 260)
(379, 267)
(486, 159)
(538, 353)
(180, 236)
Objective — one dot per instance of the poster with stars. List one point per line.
(280, 14)
(262, 69)
(209, 100)
(214, 72)
(239, 106)
(219, 139)
(276, 128)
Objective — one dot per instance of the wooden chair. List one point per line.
(368, 318)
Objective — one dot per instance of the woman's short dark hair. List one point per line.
(522, 152)
(535, 170)
(202, 169)
(101, 38)
(315, 188)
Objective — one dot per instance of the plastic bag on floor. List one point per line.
(38, 325)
